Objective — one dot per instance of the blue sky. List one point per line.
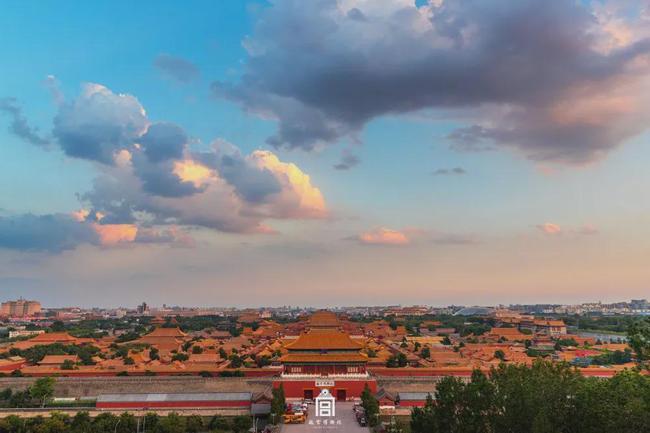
(552, 212)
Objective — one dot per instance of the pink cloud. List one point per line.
(550, 228)
(553, 229)
(384, 236)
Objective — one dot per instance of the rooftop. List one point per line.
(324, 340)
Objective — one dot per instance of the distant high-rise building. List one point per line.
(20, 308)
(143, 309)
(639, 304)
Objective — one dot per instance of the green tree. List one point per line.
(105, 423)
(42, 390)
(126, 423)
(57, 326)
(638, 335)
(278, 404)
(449, 395)
(241, 423)
(180, 357)
(423, 420)
(219, 423)
(81, 423)
(194, 424)
(150, 422)
(67, 365)
(370, 405)
(56, 423)
(425, 353)
(172, 423)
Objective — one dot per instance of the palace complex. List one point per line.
(304, 356)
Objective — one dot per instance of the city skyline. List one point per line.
(273, 153)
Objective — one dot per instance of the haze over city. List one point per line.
(299, 153)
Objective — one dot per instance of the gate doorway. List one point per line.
(341, 395)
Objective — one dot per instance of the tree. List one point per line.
(222, 353)
(425, 353)
(446, 341)
(423, 420)
(172, 423)
(81, 423)
(500, 355)
(57, 326)
(42, 390)
(236, 361)
(241, 423)
(105, 423)
(638, 335)
(194, 424)
(126, 423)
(219, 423)
(449, 395)
(196, 350)
(154, 354)
(278, 403)
(180, 357)
(150, 422)
(67, 365)
(56, 423)
(370, 406)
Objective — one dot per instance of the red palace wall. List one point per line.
(353, 388)
(170, 404)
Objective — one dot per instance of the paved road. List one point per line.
(343, 422)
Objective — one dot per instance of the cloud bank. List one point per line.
(152, 185)
(555, 80)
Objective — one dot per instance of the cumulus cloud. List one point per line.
(163, 141)
(19, 125)
(177, 68)
(556, 80)
(348, 161)
(99, 123)
(449, 171)
(152, 186)
(149, 174)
